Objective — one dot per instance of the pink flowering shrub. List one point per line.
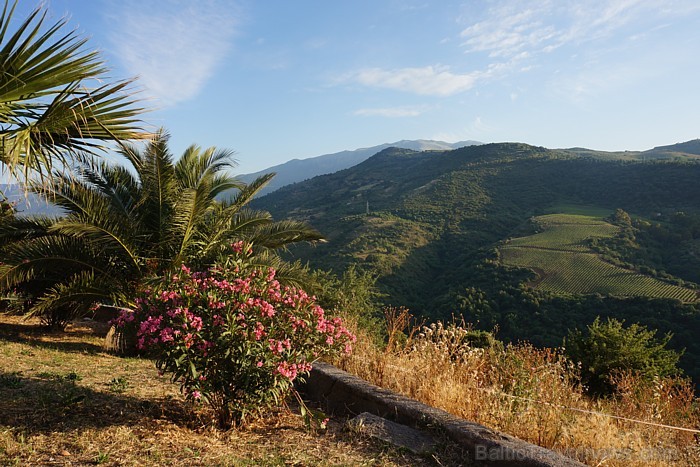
(232, 335)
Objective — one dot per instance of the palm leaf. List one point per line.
(73, 298)
(46, 112)
(281, 233)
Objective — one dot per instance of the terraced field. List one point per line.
(560, 256)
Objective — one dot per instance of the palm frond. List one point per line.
(108, 233)
(20, 228)
(49, 258)
(159, 190)
(46, 111)
(281, 233)
(190, 212)
(36, 63)
(73, 298)
(196, 165)
(248, 193)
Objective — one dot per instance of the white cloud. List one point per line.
(428, 81)
(542, 26)
(389, 112)
(173, 46)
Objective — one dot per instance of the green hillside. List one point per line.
(429, 224)
(431, 214)
(564, 262)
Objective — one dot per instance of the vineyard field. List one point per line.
(564, 262)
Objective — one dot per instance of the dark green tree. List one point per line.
(607, 348)
(353, 294)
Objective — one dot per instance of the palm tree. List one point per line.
(127, 223)
(48, 112)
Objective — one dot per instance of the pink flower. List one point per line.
(267, 309)
(217, 320)
(287, 370)
(259, 331)
(259, 364)
(278, 347)
(166, 334)
(196, 395)
(196, 323)
(189, 338)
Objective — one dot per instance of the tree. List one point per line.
(609, 348)
(127, 223)
(354, 295)
(48, 109)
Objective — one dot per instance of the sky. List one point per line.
(275, 80)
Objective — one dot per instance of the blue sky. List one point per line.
(275, 80)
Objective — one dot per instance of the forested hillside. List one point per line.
(429, 224)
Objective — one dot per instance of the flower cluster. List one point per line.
(233, 335)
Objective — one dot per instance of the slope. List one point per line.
(428, 223)
(561, 255)
(430, 211)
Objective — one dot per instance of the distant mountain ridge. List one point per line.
(688, 150)
(675, 150)
(28, 204)
(297, 170)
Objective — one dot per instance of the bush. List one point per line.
(232, 336)
(457, 341)
(609, 349)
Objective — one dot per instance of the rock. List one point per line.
(394, 433)
(343, 393)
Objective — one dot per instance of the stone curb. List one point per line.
(343, 393)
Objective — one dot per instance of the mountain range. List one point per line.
(297, 170)
(27, 203)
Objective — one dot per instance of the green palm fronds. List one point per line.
(48, 111)
(126, 223)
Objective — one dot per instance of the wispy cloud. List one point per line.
(389, 112)
(428, 81)
(601, 39)
(531, 27)
(173, 46)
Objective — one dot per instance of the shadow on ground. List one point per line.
(70, 340)
(54, 403)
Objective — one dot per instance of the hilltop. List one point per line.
(297, 170)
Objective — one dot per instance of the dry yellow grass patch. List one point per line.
(521, 391)
(65, 402)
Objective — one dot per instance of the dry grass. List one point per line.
(499, 388)
(65, 402)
